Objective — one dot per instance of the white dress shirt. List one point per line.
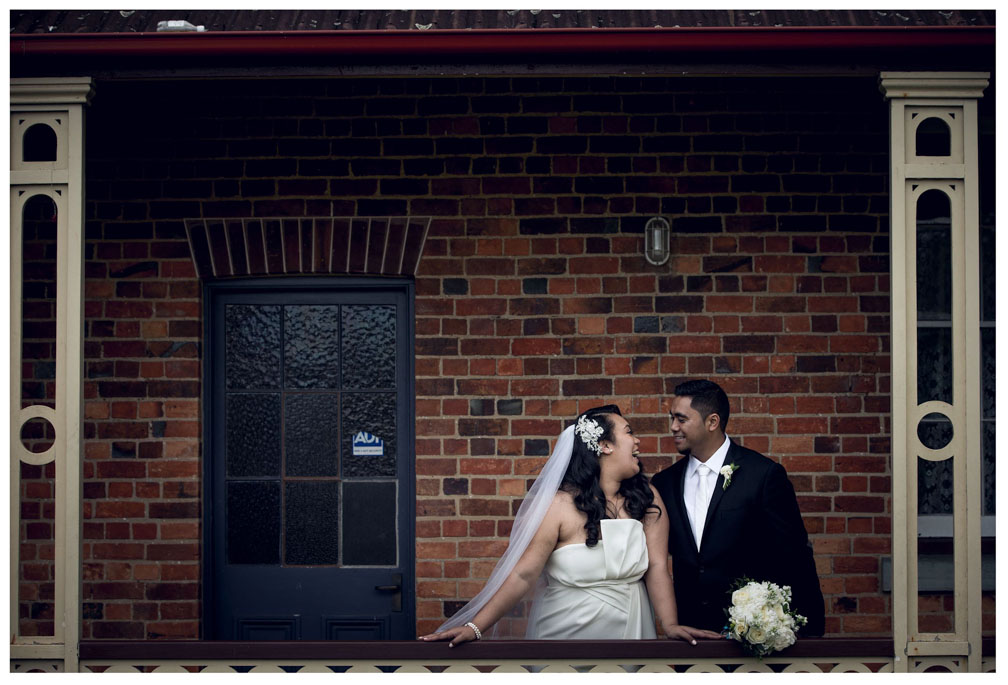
(715, 463)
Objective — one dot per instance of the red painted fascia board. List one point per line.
(512, 42)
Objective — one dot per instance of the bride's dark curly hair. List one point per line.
(582, 479)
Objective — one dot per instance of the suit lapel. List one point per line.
(718, 493)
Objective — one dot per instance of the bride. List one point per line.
(590, 528)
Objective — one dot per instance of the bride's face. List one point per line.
(619, 456)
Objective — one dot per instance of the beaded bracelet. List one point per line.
(479, 635)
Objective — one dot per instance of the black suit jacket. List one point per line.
(753, 529)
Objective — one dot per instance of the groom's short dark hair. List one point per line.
(707, 398)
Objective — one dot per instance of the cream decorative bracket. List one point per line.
(950, 98)
(58, 104)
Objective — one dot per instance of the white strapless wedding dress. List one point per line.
(596, 593)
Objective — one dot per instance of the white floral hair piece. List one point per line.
(589, 431)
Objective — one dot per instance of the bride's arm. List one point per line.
(658, 580)
(521, 579)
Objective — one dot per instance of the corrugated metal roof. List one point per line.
(130, 21)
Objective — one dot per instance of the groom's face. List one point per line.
(689, 429)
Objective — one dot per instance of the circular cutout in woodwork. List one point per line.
(935, 431)
(37, 435)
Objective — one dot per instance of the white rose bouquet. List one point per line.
(760, 617)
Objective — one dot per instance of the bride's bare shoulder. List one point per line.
(568, 518)
(563, 500)
(563, 508)
(562, 505)
(563, 496)
(558, 516)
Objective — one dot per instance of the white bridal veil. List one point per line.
(527, 521)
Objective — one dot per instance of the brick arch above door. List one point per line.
(287, 246)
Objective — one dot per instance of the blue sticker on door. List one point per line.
(367, 445)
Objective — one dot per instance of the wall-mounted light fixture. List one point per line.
(656, 240)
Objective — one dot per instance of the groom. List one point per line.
(722, 529)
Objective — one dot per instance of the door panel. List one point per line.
(309, 493)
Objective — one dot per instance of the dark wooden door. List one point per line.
(309, 521)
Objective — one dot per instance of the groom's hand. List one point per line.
(689, 633)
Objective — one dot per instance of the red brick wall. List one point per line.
(800, 350)
(533, 300)
(141, 550)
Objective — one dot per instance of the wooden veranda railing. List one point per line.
(812, 655)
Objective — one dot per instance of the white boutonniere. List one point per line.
(727, 470)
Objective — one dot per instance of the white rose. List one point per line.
(756, 635)
(783, 640)
(742, 596)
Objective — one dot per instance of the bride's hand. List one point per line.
(456, 635)
(689, 633)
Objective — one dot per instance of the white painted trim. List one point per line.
(954, 95)
(933, 84)
(60, 102)
(27, 94)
